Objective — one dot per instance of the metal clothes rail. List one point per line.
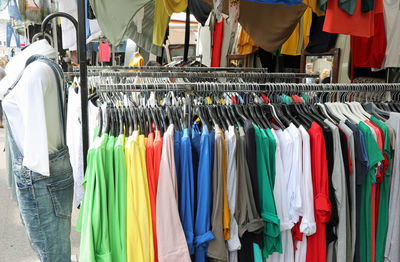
(248, 87)
(186, 69)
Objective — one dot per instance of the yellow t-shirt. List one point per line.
(140, 245)
(137, 60)
(246, 45)
(313, 4)
(162, 11)
(297, 42)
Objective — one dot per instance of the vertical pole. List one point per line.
(83, 75)
(187, 35)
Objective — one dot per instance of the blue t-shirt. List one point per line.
(202, 226)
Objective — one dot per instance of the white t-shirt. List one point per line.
(281, 200)
(32, 109)
(392, 21)
(307, 226)
(231, 188)
(74, 142)
(295, 208)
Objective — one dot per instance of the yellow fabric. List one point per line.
(246, 45)
(161, 19)
(137, 60)
(139, 227)
(226, 215)
(175, 6)
(313, 4)
(294, 46)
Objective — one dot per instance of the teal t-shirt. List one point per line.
(384, 194)
(272, 235)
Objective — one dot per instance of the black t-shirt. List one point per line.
(334, 220)
(345, 153)
(246, 253)
(320, 41)
(361, 171)
(200, 10)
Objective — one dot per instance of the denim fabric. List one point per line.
(10, 33)
(45, 204)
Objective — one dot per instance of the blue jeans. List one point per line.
(10, 33)
(45, 203)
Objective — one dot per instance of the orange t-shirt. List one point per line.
(226, 218)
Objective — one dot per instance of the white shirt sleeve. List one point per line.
(25, 110)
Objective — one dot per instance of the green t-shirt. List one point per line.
(272, 150)
(120, 193)
(374, 156)
(93, 218)
(383, 211)
(272, 236)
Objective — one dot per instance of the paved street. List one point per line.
(14, 245)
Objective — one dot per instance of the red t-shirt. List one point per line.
(340, 22)
(217, 43)
(316, 243)
(152, 190)
(370, 51)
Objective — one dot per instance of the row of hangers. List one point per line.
(125, 114)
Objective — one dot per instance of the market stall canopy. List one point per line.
(268, 25)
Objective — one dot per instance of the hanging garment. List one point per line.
(281, 20)
(272, 237)
(172, 243)
(283, 143)
(186, 189)
(313, 4)
(370, 52)
(202, 227)
(351, 138)
(95, 241)
(391, 19)
(104, 52)
(200, 10)
(316, 247)
(300, 37)
(233, 243)
(374, 157)
(254, 235)
(74, 142)
(246, 45)
(307, 225)
(216, 248)
(120, 196)
(217, 39)
(340, 250)
(383, 204)
(339, 22)
(392, 253)
(140, 247)
(137, 60)
(320, 41)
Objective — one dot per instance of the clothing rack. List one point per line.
(248, 87)
(187, 69)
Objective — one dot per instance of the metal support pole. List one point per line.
(83, 79)
(187, 35)
(81, 37)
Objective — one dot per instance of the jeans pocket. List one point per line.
(61, 193)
